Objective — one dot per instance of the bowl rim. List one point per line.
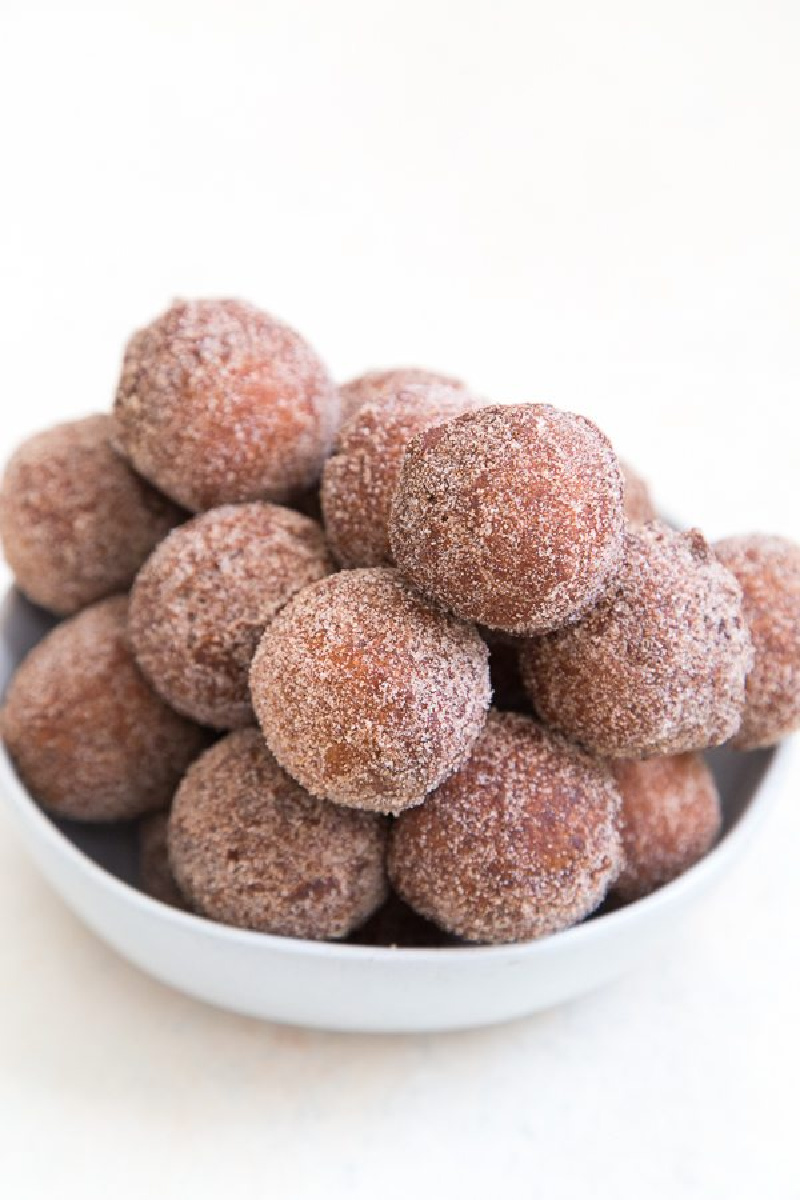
(29, 813)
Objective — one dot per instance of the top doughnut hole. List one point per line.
(511, 516)
(220, 403)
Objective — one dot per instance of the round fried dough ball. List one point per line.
(374, 387)
(219, 403)
(89, 736)
(639, 506)
(249, 847)
(75, 521)
(360, 479)
(522, 841)
(659, 666)
(768, 570)
(202, 600)
(368, 695)
(671, 817)
(511, 516)
(155, 874)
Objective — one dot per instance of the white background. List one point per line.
(592, 204)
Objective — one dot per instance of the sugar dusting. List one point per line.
(768, 570)
(367, 694)
(219, 402)
(88, 735)
(75, 521)
(659, 666)
(360, 479)
(511, 516)
(521, 842)
(201, 602)
(251, 848)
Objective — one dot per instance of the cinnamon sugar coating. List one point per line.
(89, 736)
(155, 874)
(250, 847)
(511, 516)
(671, 817)
(75, 521)
(360, 479)
(219, 403)
(768, 570)
(200, 603)
(659, 666)
(367, 694)
(521, 842)
(639, 506)
(374, 387)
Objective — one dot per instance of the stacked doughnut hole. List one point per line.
(384, 662)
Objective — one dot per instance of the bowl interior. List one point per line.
(114, 848)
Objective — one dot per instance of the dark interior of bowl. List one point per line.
(115, 847)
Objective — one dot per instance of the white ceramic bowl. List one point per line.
(349, 987)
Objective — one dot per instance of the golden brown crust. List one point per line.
(201, 602)
(75, 521)
(367, 694)
(768, 570)
(220, 403)
(88, 735)
(510, 516)
(522, 841)
(659, 666)
(251, 848)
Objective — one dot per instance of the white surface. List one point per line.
(593, 204)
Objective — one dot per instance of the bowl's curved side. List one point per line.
(347, 987)
(358, 988)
